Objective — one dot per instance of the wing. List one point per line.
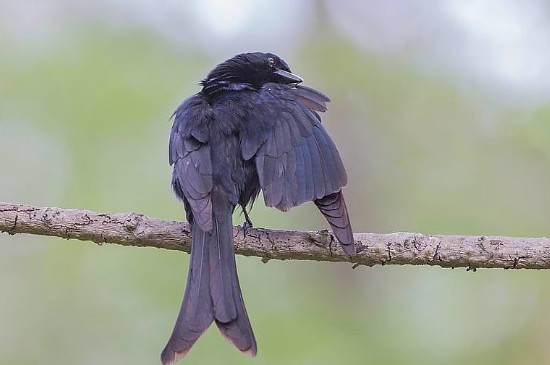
(295, 158)
(189, 153)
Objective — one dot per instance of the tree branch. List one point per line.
(133, 229)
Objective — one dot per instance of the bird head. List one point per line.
(248, 71)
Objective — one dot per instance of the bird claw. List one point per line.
(246, 226)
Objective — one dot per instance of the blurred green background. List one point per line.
(440, 110)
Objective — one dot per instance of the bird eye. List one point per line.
(271, 61)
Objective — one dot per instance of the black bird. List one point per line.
(250, 128)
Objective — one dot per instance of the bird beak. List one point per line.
(289, 77)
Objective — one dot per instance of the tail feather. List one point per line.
(222, 277)
(335, 211)
(212, 291)
(196, 313)
(238, 331)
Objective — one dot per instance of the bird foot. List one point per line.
(247, 225)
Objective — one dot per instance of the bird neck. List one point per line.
(214, 86)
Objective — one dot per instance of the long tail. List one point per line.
(334, 209)
(212, 292)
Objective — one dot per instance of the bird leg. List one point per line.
(247, 224)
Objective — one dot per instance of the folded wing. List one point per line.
(191, 156)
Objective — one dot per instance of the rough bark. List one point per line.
(133, 229)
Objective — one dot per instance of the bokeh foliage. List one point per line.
(84, 124)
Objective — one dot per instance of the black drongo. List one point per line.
(252, 127)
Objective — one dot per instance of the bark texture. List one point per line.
(134, 229)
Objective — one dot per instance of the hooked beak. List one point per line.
(289, 77)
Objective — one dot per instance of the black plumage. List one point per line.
(251, 128)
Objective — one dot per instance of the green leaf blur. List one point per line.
(84, 122)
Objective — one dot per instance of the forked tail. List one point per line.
(212, 292)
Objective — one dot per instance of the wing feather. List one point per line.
(190, 154)
(296, 160)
